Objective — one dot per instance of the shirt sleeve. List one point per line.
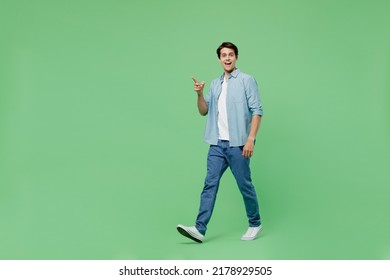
(253, 97)
(207, 98)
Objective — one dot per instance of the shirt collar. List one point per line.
(234, 74)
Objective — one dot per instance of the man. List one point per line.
(233, 108)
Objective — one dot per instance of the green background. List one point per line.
(101, 144)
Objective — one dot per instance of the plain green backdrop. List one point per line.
(101, 144)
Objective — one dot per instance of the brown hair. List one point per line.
(228, 45)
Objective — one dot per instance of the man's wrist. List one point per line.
(251, 138)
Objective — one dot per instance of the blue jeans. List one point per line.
(219, 158)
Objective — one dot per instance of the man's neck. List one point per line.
(227, 74)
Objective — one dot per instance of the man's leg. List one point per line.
(216, 166)
(241, 171)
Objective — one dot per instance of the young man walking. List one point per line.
(233, 108)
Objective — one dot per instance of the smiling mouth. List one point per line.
(228, 63)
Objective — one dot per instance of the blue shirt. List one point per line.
(242, 102)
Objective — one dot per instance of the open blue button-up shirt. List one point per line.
(242, 102)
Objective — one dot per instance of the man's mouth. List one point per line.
(228, 63)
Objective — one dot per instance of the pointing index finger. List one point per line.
(195, 80)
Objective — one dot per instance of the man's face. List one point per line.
(228, 60)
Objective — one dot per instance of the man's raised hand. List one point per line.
(198, 86)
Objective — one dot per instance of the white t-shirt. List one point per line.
(223, 126)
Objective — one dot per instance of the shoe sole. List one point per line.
(252, 238)
(182, 231)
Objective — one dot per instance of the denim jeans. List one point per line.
(220, 157)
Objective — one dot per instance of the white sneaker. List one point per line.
(252, 233)
(190, 232)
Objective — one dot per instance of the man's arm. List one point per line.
(250, 142)
(202, 105)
